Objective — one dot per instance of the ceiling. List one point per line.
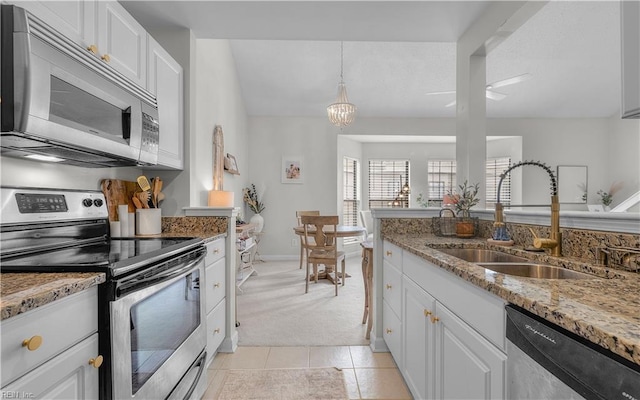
(287, 55)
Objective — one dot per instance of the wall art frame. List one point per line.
(292, 169)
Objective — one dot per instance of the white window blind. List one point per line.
(441, 179)
(351, 194)
(495, 167)
(386, 178)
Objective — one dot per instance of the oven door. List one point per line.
(157, 328)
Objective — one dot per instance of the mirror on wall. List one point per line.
(572, 184)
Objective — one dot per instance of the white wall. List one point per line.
(217, 100)
(315, 140)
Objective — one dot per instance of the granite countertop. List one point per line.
(21, 292)
(604, 310)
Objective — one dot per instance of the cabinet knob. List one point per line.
(93, 48)
(105, 58)
(217, 330)
(216, 251)
(389, 286)
(389, 253)
(216, 285)
(389, 331)
(96, 362)
(427, 313)
(434, 320)
(32, 343)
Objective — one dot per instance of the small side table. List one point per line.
(367, 276)
(257, 237)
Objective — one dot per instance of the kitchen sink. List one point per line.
(483, 255)
(533, 270)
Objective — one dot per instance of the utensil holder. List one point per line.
(148, 221)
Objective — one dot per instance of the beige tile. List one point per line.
(218, 360)
(288, 357)
(330, 356)
(352, 383)
(381, 383)
(363, 357)
(216, 379)
(247, 358)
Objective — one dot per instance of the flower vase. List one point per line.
(258, 221)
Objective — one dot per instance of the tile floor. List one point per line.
(368, 375)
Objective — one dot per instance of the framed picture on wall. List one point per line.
(292, 169)
(231, 165)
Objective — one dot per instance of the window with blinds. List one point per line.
(386, 178)
(351, 194)
(441, 179)
(495, 167)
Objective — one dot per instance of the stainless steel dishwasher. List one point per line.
(548, 362)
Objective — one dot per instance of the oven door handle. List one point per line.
(200, 364)
(155, 279)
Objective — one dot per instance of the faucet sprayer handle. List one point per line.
(533, 233)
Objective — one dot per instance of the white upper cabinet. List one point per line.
(165, 80)
(122, 41)
(74, 19)
(630, 13)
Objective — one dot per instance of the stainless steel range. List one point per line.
(151, 323)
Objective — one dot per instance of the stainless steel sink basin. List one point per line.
(533, 270)
(482, 255)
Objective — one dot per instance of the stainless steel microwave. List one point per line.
(61, 103)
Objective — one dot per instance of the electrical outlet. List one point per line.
(294, 242)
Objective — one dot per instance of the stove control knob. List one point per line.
(98, 202)
(87, 202)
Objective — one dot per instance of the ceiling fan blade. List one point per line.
(446, 92)
(453, 103)
(495, 95)
(510, 81)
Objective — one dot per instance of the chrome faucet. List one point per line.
(554, 242)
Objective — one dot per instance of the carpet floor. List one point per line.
(284, 384)
(274, 310)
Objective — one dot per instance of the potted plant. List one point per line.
(251, 197)
(463, 200)
(606, 198)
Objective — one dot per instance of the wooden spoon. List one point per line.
(144, 199)
(137, 202)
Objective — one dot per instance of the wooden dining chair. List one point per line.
(321, 247)
(298, 215)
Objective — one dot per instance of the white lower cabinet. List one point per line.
(443, 355)
(215, 295)
(51, 352)
(65, 377)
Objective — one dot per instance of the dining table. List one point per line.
(341, 231)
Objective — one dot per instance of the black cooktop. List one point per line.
(115, 257)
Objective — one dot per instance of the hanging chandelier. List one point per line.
(341, 113)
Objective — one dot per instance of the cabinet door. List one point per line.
(419, 340)
(74, 19)
(67, 376)
(392, 332)
(123, 40)
(467, 365)
(165, 80)
(215, 329)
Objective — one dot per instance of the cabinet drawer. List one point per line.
(61, 324)
(392, 254)
(66, 376)
(392, 287)
(215, 328)
(215, 251)
(392, 332)
(214, 284)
